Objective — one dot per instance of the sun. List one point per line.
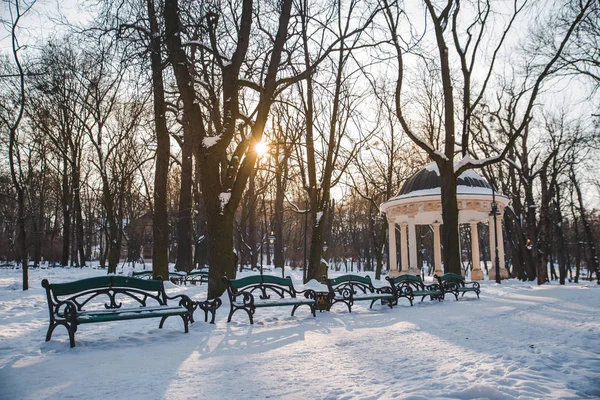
(261, 148)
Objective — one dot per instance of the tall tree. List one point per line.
(459, 32)
(160, 220)
(11, 116)
(329, 149)
(210, 90)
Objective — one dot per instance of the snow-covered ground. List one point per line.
(519, 341)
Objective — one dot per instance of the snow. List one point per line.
(210, 141)
(460, 190)
(224, 198)
(519, 341)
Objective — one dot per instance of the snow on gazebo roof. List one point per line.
(425, 184)
(429, 178)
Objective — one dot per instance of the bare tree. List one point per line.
(460, 32)
(224, 175)
(11, 116)
(329, 149)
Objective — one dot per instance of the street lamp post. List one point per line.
(305, 272)
(422, 261)
(325, 247)
(494, 212)
(271, 241)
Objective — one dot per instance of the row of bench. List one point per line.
(252, 292)
(118, 298)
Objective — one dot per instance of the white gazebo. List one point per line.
(419, 203)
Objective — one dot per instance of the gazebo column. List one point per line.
(437, 250)
(403, 249)
(412, 243)
(392, 248)
(503, 270)
(477, 273)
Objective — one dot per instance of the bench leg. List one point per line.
(162, 322)
(50, 330)
(71, 329)
(349, 307)
(230, 315)
(312, 309)
(185, 322)
(248, 311)
(72, 336)
(211, 306)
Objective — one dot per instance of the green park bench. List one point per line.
(348, 289)
(411, 286)
(455, 284)
(197, 276)
(256, 291)
(175, 277)
(112, 298)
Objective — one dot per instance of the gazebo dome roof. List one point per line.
(420, 197)
(427, 182)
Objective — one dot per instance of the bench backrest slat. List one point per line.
(350, 278)
(83, 290)
(64, 289)
(256, 280)
(262, 286)
(452, 277)
(354, 283)
(136, 283)
(413, 281)
(408, 279)
(141, 273)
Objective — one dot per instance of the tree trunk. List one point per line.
(220, 254)
(184, 215)
(66, 211)
(280, 181)
(317, 269)
(79, 239)
(22, 236)
(450, 241)
(517, 241)
(543, 229)
(160, 217)
(590, 248)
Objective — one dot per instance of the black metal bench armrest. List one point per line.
(209, 306)
(308, 293)
(69, 312)
(248, 298)
(184, 301)
(472, 285)
(385, 290)
(433, 287)
(345, 293)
